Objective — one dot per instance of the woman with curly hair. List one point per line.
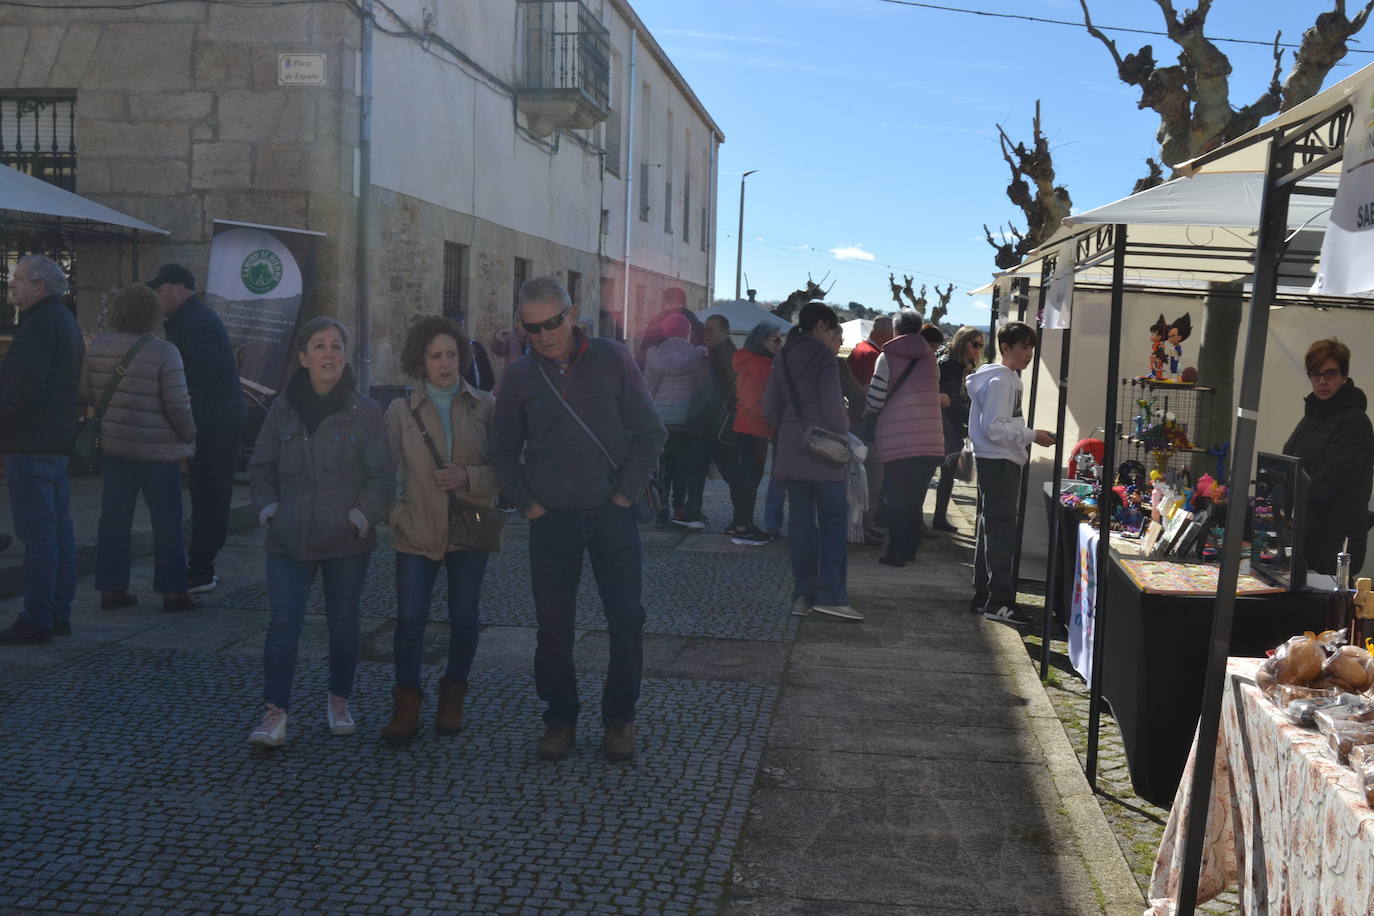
(444, 422)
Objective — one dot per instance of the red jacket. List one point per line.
(751, 377)
(862, 359)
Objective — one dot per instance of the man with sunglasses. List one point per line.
(575, 439)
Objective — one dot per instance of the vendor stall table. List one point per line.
(1285, 822)
(1155, 655)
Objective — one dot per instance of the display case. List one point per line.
(1160, 424)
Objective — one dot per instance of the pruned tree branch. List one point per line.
(1033, 191)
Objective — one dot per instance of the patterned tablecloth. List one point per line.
(1286, 823)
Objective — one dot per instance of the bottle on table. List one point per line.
(1362, 627)
(1340, 603)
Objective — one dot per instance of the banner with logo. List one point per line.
(1347, 262)
(1059, 294)
(256, 280)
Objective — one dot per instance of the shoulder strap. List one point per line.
(572, 413)
(887, 398)
(792, 386)
(119, 370)
(429, 440)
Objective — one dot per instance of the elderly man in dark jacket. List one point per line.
(576, 484)
(212, 378)
(38, 410)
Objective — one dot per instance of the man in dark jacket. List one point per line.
(38, 409)
(578, 500)
(709, 417)
(212, 377)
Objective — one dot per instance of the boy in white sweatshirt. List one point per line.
(1001, 445)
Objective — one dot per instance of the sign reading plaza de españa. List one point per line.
(300, 69)
(256, 279)
(1346, 268)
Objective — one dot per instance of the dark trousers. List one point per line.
(211, 485)
(681, 478)
(558, 539)
(39, 496)
(160, 484)
(707, 449)
(752, 457)
(945, 489)
(905, 482)
(415, 575)
(999, 484)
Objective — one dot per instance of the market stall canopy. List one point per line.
(1230, 199)
(30, 203)
(743, 315)
(856, 330)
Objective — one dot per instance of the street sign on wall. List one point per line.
(300, 69)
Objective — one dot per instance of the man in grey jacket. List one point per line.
(578, 500)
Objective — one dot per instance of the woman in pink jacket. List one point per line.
(905, 394)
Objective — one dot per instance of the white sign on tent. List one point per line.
(1346, 266)
(1059, 295)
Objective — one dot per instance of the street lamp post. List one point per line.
(739, 249)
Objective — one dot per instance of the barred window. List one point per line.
(38, 137)
(455, 263)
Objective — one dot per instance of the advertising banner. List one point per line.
(256, 280)
(1346, 265)
(1059, 295)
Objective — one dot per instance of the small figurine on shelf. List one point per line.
(1158, 331)
(1205, 485)
(1156, 496)
(1142, 419)
(1178, 332)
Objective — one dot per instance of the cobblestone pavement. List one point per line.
(132, 790)
(1137, 824)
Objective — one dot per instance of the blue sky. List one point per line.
(873, 126)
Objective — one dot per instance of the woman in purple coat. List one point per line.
(804, 391)
(905, 393)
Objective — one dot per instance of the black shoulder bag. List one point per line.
(817, 442)
(469, 527)
(871, 419)
(86, 449)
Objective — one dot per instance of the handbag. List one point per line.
(469, 527)
(85, 456)
(965, 467)
(871, 419)
(650, 502)
(817, 442)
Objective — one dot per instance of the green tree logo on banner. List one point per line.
(261, 271)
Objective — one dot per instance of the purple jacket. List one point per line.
(817, 377)
(910, 425)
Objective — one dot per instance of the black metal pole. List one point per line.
(1104, 515)
(1053, 582)
(990, 348)
(1030, 418)
(1272, 229)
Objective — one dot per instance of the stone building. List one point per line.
(507, 138)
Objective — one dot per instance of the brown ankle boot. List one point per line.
(179, 601)
(449, 720)
(113, 601)
(405, 716)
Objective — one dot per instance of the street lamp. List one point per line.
(739, 250)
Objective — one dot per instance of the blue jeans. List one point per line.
(558, 540)
(415, 575)
(288, 589)
(774, 498)
(160, 482)
(39, 496)
(817, 526)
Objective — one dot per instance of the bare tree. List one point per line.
(938, 313)
(812, 292)
(1032, 189)
(1193, 97)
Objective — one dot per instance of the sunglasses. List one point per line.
(548, 324)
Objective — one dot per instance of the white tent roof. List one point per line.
(856, 331)
(743, 315)
(1210, 199)
(23, 194)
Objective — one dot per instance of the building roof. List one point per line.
(669, 68)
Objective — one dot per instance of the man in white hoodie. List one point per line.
(1001, 444)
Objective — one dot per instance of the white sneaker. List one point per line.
(1010, 616)
(802, 606)
(340, 719)
(842, 611)
(271, 731)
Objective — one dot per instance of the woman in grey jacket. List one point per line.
(322, 478)
(145, 433)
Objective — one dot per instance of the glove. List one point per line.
(266, 515)
(359, 522)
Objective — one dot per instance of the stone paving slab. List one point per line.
(900, 777)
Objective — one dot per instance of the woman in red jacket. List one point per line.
(753, 363)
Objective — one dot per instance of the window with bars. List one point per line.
(702, 233)
(522, 273)
(668, 206)
(574, 286)
(644, 191)
(687, 207)
(38, 137)
(455, 272)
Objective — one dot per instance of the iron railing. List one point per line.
(566, 47)
(38, 137)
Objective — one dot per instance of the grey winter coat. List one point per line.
(670, 372)
(149, 417)
(315, 481)
(817, 377)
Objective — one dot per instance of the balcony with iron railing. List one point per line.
(565, 75)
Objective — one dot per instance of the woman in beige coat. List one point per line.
(145, 433)
(456, 417)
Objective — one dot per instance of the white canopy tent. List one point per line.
(856, 330)
(27, 201)
(743, 315)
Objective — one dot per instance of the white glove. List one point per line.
(359, 522)
(265, 516)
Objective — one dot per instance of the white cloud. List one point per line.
(851, 253)
(980, 305)
(720, 36)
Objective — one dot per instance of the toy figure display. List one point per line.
(1158, 332)
(1178, 332)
